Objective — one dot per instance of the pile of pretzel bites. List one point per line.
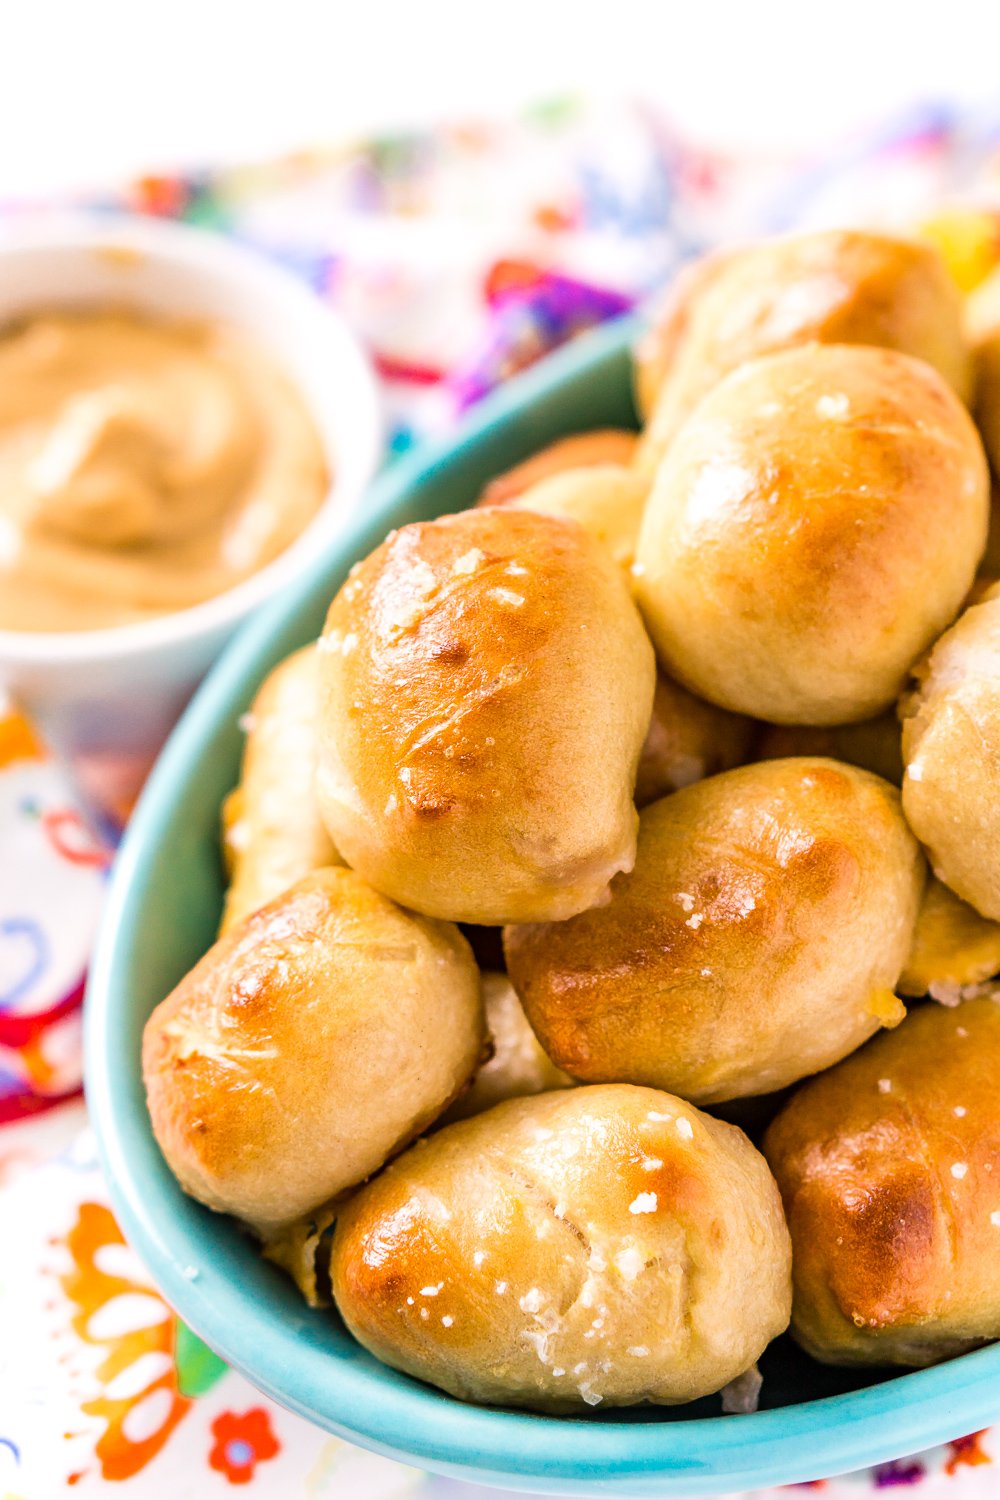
(590, 1001)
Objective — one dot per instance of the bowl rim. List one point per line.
(199, 251)
(409, 1421)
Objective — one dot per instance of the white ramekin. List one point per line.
(105, 699)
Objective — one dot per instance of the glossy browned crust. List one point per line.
(660, 347)
(816, 524)
(757, 939)
(594, 1246)
(606, 499)
(487, 686)
(687, 740)
(606, 445)
(889, 1166)
(272, 831)
(828, 287)
(951, 750)
(310, 1043)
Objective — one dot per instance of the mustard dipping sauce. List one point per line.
(145, 466)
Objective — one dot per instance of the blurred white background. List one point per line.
(93, 89)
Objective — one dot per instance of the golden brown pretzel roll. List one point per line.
(518, 1066)
(608, 445)
(687, 740)
(606, 499)
(816, 524)
(661, 344)
(487, 685)
(602, 1245)
(874, 744)
(757, 939)
(272, 831)
(308, 1045)
(829, 287)
(889, 1166)
(954, 948)
(951, 751)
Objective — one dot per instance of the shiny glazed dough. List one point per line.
(889, 1166)
(599, 1246)
(607, 499)
(951, 751)
(309, 1044)
(757, 939)
(814, 527)
(486, 687)
(272, 831)
(829, 287)
(606, 445)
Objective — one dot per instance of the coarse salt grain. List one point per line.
(959, 1169)
(885, 1085)
(479, 1257)
(685, 1129)
(447, 1320)
(995, 1218)
(501, 1287)
(651, 1163)
(645, 1203)
(655, 1116)
(639, 1351)
(961, 1111)
(835, 407)
(629, 1262)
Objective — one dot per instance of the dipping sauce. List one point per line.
(145, 466)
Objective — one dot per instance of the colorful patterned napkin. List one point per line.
(460, 255)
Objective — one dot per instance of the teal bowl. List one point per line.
(162, 912)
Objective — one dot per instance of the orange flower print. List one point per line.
(18, 740)
(967, 1450)
(139, 1399)
(242, 1442)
